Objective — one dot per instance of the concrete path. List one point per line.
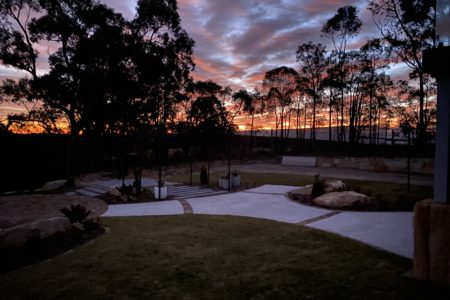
(390, 231)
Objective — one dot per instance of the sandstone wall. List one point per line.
(378, 164)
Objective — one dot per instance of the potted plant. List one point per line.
(160, 191)
(235, 179)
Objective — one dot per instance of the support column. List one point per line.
(442, 157)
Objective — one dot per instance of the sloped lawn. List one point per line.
(211, 257)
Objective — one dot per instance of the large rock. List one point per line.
(342, 200)
(334, 186)
(432, 242)
(18, 235)
(114, 191)
(303, 194)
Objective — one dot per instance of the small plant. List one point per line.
(161, 183)
(125, 190)
(235, 172)
(91, 223)
(76, 213)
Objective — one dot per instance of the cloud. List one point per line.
(238, 41)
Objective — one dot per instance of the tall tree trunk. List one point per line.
(342, 138)
(251, 133)
(304, 121)
(330, 115)
(313, 127)
(421, 133)
(370, 119)
(297, 131)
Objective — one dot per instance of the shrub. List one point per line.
(76, 213)
(125, 190)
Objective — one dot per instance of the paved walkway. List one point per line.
(390, 231)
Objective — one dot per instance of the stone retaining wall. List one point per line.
(17, 236)
(378, 164)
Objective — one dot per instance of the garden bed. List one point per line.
(39, 250)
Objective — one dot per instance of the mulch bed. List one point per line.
(39, 250)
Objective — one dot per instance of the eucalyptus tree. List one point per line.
(107, 75)
(251, 104)
(313, 66)
(408, 27)
(280, 84)
(209, 119)
(341, 29)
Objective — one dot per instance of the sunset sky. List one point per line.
(237, 41)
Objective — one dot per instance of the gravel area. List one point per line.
(22, 209)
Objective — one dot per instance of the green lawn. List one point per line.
(390, 196)
(211, 257)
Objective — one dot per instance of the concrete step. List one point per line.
(95, 189)
(88, 193)
(185, 192)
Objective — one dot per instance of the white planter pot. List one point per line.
(225, 183)
(236, 181)
(160, 192)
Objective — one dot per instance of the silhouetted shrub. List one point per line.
(76, 213)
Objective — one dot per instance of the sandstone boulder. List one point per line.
(345, 199)
(114, 191)
(53, 185)
(334, 186)
(303, 194)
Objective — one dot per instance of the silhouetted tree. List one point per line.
(107, 75)
(250, 101)
(313, 65)
(408, 27)
(280, 84)
(341, 28)
(209, 118)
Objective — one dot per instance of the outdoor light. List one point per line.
(443, 22)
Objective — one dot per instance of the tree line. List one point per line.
(351, 88)
(112, 76)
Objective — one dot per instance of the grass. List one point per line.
(211, 257)
(389, 196)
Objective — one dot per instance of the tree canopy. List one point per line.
(107, 75)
